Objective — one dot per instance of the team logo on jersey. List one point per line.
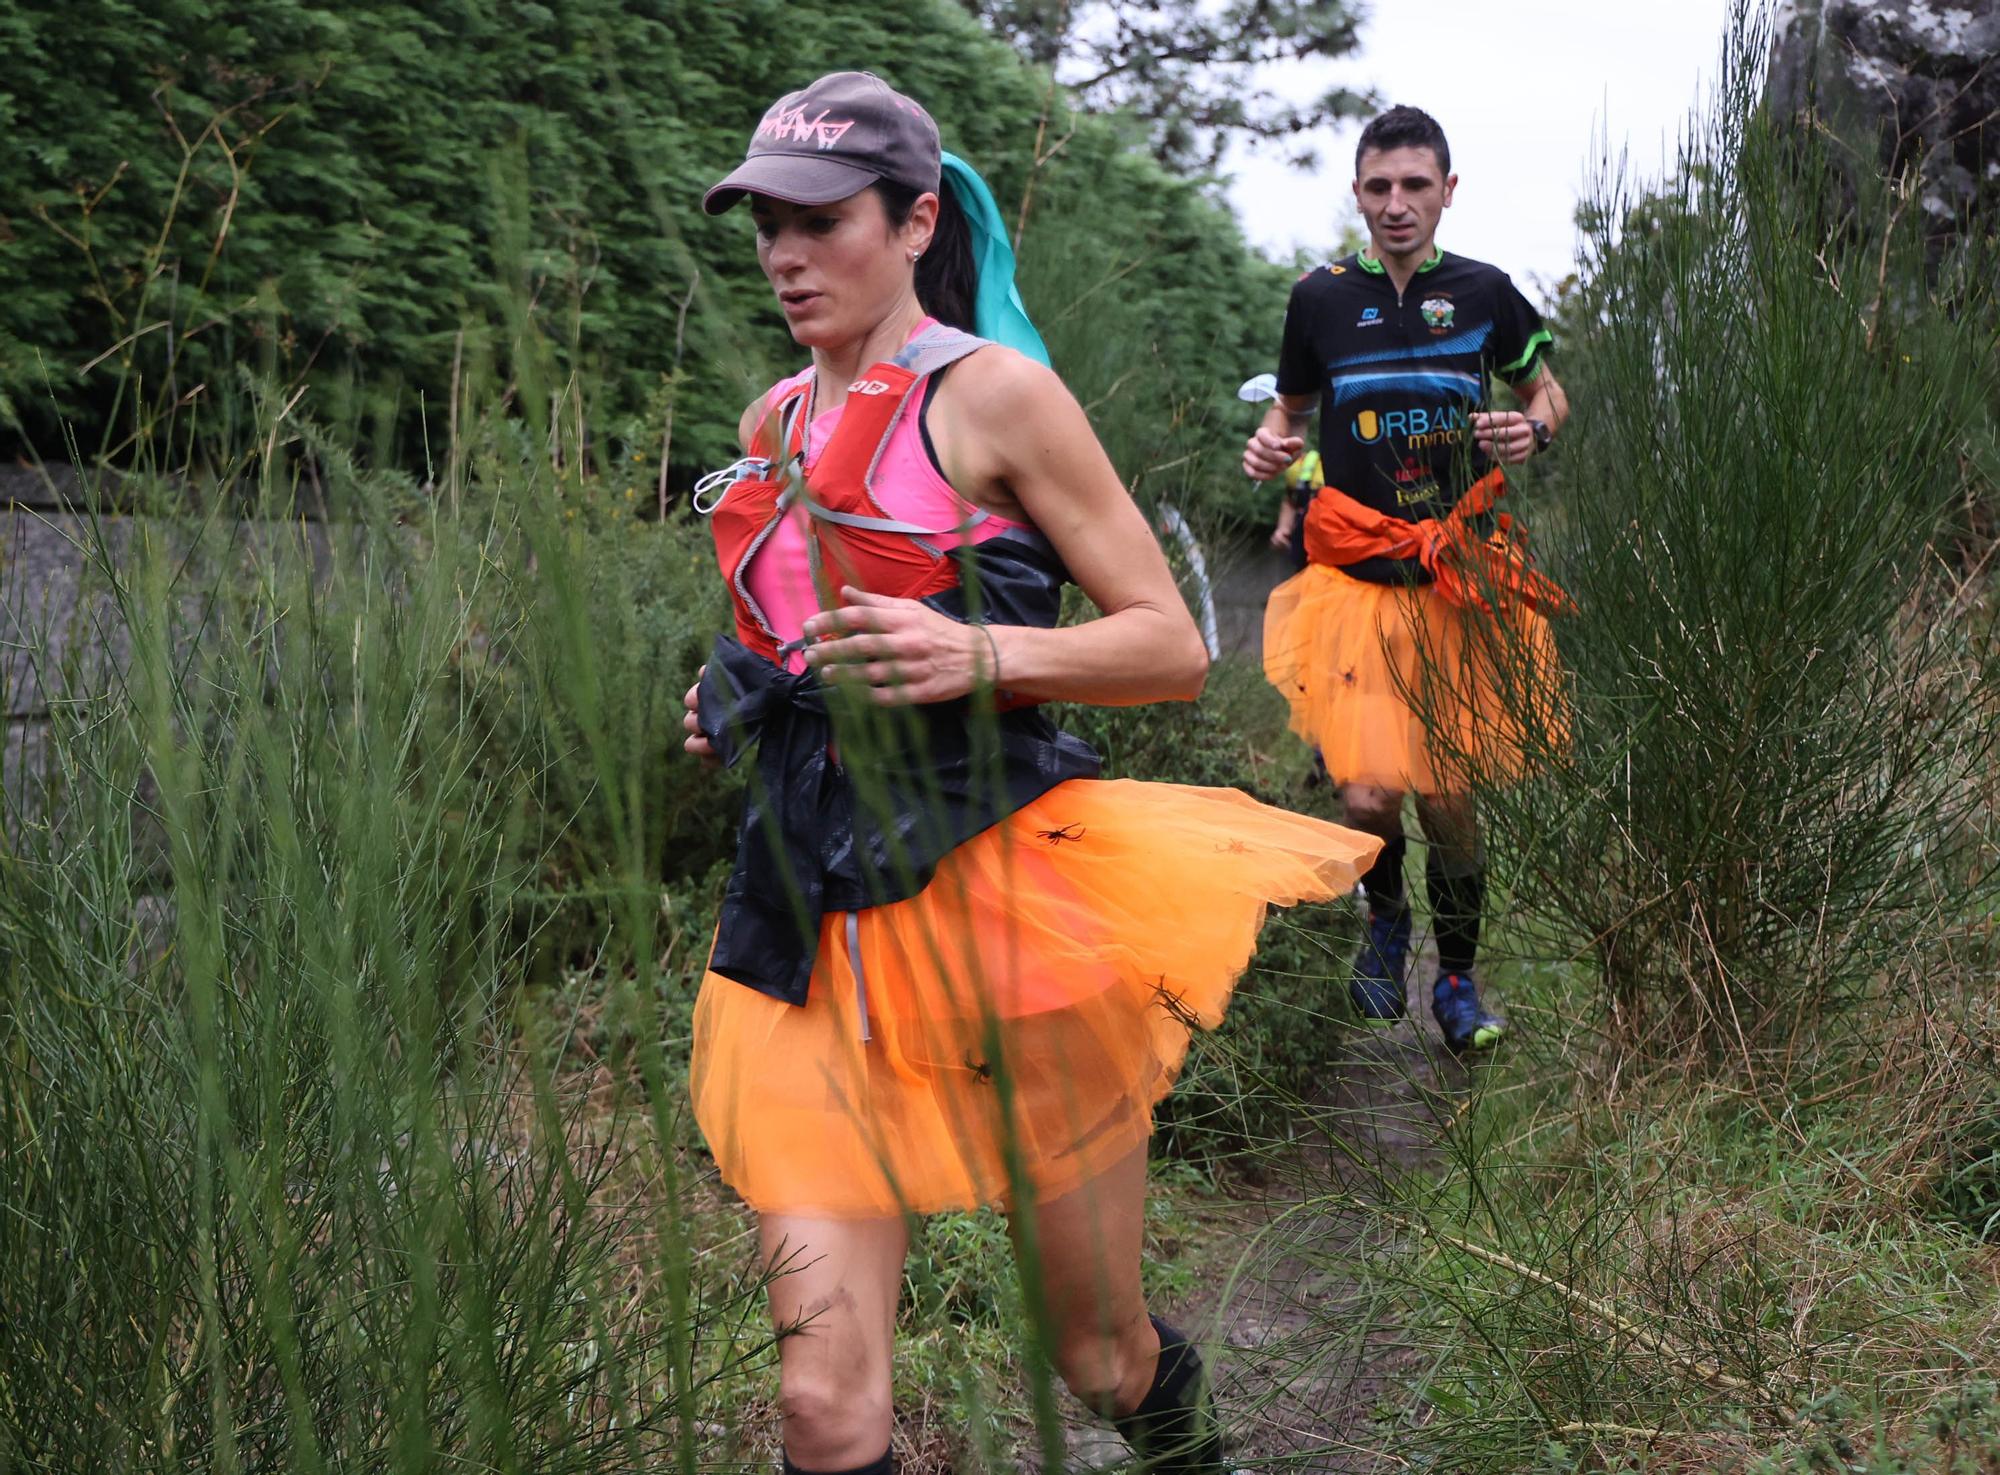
(1421, 427)
(1437, 313)
(1370, 317)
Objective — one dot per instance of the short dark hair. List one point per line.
(1404, 127)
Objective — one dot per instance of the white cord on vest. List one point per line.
(719, 482)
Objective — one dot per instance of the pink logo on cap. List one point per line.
(792, 124)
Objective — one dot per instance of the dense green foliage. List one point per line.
(378, 200)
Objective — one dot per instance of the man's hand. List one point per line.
(1505, 435)
(1288, 521)
(1269, 453)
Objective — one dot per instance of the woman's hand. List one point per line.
(903, 651)
(695, 743)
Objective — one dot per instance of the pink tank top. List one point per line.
(908, 486)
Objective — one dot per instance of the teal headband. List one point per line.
(997, 311)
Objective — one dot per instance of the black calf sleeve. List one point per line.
(1384, 880)
(1457, 900)
(1173, 1429)
(884, 1466)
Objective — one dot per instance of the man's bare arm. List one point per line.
(1506, 435)
(1541, 398)
(1281, 437)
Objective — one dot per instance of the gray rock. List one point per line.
(1923, 76)
(1245, 570)
(58, 624)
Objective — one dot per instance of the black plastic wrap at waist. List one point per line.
(1391, 571)
(838, 819)
(1394, 571)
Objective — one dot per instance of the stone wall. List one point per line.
(1247, 570)
(61, 627)
(58, 622)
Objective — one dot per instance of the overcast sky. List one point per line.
(1527, 92)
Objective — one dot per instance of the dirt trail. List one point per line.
(1289, 1392)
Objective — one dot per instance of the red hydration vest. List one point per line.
(851, 537)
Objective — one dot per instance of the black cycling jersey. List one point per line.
(1398, 378)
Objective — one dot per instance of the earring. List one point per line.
(915, 254)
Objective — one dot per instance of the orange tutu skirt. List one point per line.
(1032, 1002)
(1397, 686)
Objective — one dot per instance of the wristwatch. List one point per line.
(1543, 435)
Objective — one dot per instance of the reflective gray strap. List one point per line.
(789, 421)
(860, 976)
(1032, 537)
(890, 524)
(935, 348)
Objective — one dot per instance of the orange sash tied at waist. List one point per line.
(1462, 564)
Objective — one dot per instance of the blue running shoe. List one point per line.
(1465, 1021)
(1377, 985)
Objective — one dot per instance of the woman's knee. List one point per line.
(1101, 1365)
(836, 1417)
(833, 1306)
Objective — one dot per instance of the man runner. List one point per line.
(1394, 346)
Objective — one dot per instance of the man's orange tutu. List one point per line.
(1398, 686)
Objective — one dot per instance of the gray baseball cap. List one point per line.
(832, 139)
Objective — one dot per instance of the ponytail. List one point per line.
(947, 281)
(966, 278)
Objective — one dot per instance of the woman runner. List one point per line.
(953, 968)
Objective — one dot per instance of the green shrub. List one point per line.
(1968, 1192)
(291, 1185)
(1773, 780)
(648, 600)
